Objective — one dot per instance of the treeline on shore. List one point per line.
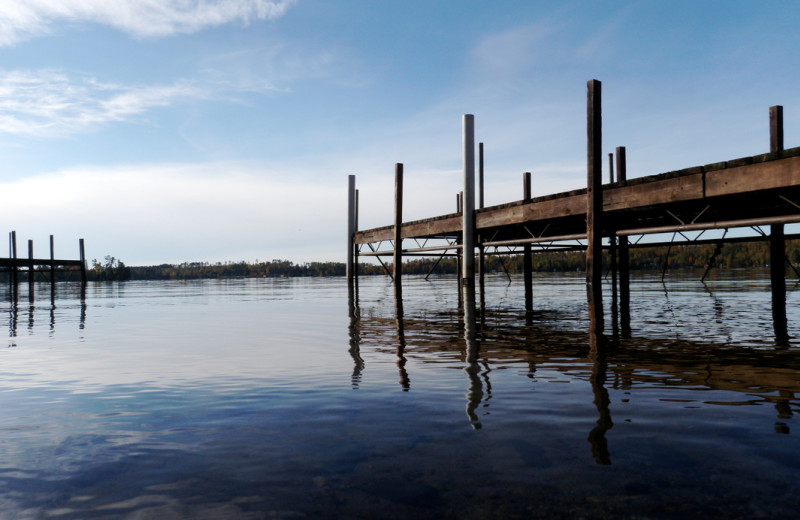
(728, 256)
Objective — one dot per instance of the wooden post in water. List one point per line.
(527, 261)
(14, 278)
(52, 263)
(594, 205)
(30, 270)
(355, 248)
(613, 259)
(468, 203)
(398, 224)
(83, 262)
(459, 252)
(351, 219)
(480, 206)
(52, 274)
(777, 246)
(624, 257)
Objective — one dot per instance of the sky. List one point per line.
(169, 131)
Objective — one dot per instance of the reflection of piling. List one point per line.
(354, 329)
(594, 202)
(405, 381)
(597, 437)
(473, 368)
(777, 246)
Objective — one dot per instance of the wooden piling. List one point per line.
(52, 263)
(527, 261)
(30, 267)
(612, 249)
(623, 256)
(355, 249)
(460, 240)
(481, 258)
(83, 261)
(14, 278)
(776, 129)
(777, 245)
(398, 223)
(468, 202)
(594, 204)
(351, 218)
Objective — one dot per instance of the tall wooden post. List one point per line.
(612, 247)
(14, 277)
(30, 270)
(594, 205)
(352, 250)
(351, 219)
(398, 224)
(468, 203)
(480, 244)
(624, 257)
(355, 248)
(83, 262)
(527, 261)
(777, 246)
(52, 263)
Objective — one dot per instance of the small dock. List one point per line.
(47, 267)
(754, 192)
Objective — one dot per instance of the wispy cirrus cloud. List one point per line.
(47, 103)
(24, 19)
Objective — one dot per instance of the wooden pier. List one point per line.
(747, 192)
(48, 267)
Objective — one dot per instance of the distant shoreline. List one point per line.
(729, 256)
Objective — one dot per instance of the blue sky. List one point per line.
(192, 130)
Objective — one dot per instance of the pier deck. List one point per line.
(758, 190)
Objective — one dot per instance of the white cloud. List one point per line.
(23, 19)
(153, 213)
(50, 103)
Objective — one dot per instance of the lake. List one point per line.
(283, 398)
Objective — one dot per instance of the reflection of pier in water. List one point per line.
(480, 342)
(29, 310)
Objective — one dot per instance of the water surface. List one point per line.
(282, 398)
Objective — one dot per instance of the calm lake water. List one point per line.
(277, 398)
